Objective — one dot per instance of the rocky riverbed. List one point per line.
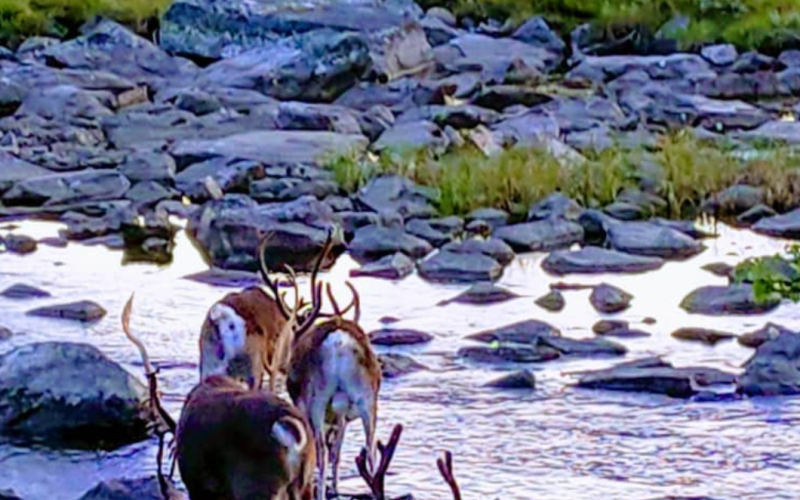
(573, 352)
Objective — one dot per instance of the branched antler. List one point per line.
(376, 480)
(162, 421)
(446, 470)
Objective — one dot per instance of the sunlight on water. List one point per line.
(553, 444)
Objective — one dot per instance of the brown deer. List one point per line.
(334, 378)
(233, 442)
(248, 333)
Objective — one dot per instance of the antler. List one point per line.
(339, 313)
(376, 480)
(163, 421)
(446, 470)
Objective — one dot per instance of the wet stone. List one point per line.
(492, 247)
(482, 294)
(521, 332)
(553, 301)
(83, 310)
(23, 291)
(704, 335)
(605, 326)
(609, 299)
(5, 333)
(450, 267)
(395, 365)
(590, 259)
(507, 354)
(757, 337)
(19, 244)
(399, 337)
(523, 379)
(722, 300)
(719, 269)
(394, 266)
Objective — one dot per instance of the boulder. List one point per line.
(396, 193)
(395, 365)
(704, 335)
(590, 259)
(552, 301)
(23, 291)
(140, 488)
(481, 293)
(652, 240)
(19, 244)
(411, 136)
(521, 332)
(656, 376)
(65, 394)
(459, 267)
(608, 299)
(149, 166)
(721, 300)
(676, 67)
(554, 206)
(781, 226)
(229, 174)
(757, 337)
(544, 235)
(774, 369)
(74, 187)
(523, 379)
(535, 31)
(397, 337)
(375, 242)
(82, 310)
(395, 266)
(228, 233)
(507, 354)
(492, 247)
(13, 170)
(423, 229)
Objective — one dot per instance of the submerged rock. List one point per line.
(393, 267)
(731, 299)
(82, 310)
(592, 259)
(395, 365)
(482, 293)
(704, 335)
(609, 299)
(774, 369)
(521, 332)
(552, 301)
(19, 244)
(523, 379)
(375, 242)
(507, 354)
(67, 394)
(656, 376)
(399, 336)
(543, 235)
(23, 291)
(757, 337)
(605, 326)
(459, 267)
(492, 247)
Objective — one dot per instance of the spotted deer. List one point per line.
(249, 333)
(334, 377)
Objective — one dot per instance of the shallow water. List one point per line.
(555, 443)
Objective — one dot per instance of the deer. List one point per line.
(334, 377)
(233, 442)
(248, 333)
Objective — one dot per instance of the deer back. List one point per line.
(234, 444)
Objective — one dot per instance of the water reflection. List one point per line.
(553, 444)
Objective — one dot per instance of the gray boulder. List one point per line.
(731, 299)
(69, 394)
(74, 187)
(397, 337)
(395, 365)
(781, 226)
(398, 194)
(229, 174)
(395, 266)
(82, 310)
(374, 242)
(521, 332)
(228, 233)
(13, 170)
(492, 247)
(23, 291)
(590, 259)
(609, 299)
(774, 369)
(652, 240)
(459, 267)
(541, 235)
(482, 293)
(149, 166)
(523, 379)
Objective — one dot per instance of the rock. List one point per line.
(304, 116)
(675, 67)
(7, 494)
(280, 148)
(492, 247)
(149, 193)
(720, 269)
(605, 326)
(590, 259)
(503, 355)
(757, 337)
(229, 175)
(391, 267)
(553, 301)
(411, 136)
(450, 226)
(722, 54)
(23, 291)
(493, 216)
(459, 267)
(228, 233)
(422, 229)
(375, 121)
(723, 300)
(595, 226)
(149, 166)
(19, 244)
(523, 379)
(652, 240)
(687, 227)
(12, 170)
(398, 337)
(521, 332)
(142, 488)
(609, 299)
(83, 227)
(101, 406)
(774, 369)
(755, 214)
(535, 31)
(736, 199)
(658, 377)
(704, 335)
(374, 242)
(625, 333)
(396, 193)
(554, 206)
(5, 333)
(395, 365)
(108, 46)
(501, 97)
(584, 348)
(76, 187)
(786, 225)
(625, 211)
(481, 293)
(541, 235)
(494, 57)
(82, 310)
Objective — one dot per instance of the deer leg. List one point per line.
(336, 450)
(367, 411)
(316, 419)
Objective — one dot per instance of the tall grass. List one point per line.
(20, 19)
(691, 171)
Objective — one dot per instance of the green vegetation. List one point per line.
(20, 19)
(687, 171)
(747, 23)
(773, 277)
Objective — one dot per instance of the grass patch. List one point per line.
(21, 19)
(687, 171)
(746, 23)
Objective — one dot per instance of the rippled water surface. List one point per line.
(554, 443)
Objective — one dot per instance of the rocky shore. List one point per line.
(112, 134)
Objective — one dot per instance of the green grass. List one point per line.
(747, 23)
(20, 19)
(691, 171)
(773, 277)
